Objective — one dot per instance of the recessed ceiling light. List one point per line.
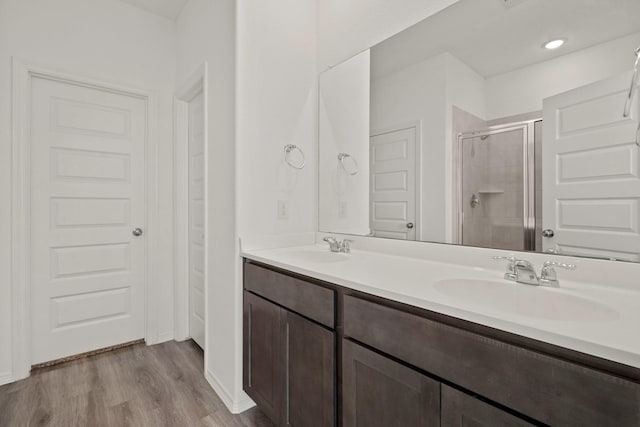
(554, 44)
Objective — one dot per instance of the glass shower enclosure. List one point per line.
(496, 180)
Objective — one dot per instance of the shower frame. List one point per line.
(528, 170)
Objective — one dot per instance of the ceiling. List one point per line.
(494, 36)
(168, 8)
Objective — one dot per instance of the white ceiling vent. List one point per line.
(511, 3)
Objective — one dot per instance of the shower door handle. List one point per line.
(548, 233)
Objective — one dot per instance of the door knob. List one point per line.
(548, 233)
(137, 232)
(409, 225)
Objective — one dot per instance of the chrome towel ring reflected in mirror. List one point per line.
(288, 149)
(354, 169)
(632, 89)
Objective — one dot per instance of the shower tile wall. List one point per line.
(534, 115)
(493, 172)
(463, 122)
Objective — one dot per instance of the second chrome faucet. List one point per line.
(522, 271)
(336, 245)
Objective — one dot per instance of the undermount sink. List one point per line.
(318, 256)
(525, 300)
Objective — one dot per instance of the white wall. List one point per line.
(206, 31)
(99, 39)
(262, 96)
(348, 27)
(522, 91)
(276, 105)
(465, 88)
(344, 128)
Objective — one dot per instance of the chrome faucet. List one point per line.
(336, 245)
(525, 273)
(511, 267)
(549, 277)
(522, 271)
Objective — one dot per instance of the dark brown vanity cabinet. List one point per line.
(462, 410)
(379, 392)
(263, 375)
(404, 366)
(289, 360)
(542, 387)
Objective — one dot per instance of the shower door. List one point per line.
(495, 194)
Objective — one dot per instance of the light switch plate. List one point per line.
(342, 209)
(283, 209)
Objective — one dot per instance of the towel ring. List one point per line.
(343, 156)
(632, 88)
(287, 150)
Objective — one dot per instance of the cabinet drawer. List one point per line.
(461, 410)
(542, 387)
(310, 300)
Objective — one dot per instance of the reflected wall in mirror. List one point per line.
(465, 128)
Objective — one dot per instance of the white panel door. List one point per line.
(87, 195)
(591, 181)
(196, 220)
(393, 184)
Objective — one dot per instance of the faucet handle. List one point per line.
(564, 265)
(346, 248)
(508, 258)
(511, 267)
(334, 245)
(548, 275)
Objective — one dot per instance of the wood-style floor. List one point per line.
(161, 385)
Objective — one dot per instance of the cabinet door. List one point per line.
(378, 392)
(309, 374)
(263, 356)
(462, 410)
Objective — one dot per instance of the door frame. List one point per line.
(23, 73)
(416, 125)
(193, 86)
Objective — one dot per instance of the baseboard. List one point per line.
(85, 354)
(6, 378)
(235, 407)
(164, 337)
(244, 404)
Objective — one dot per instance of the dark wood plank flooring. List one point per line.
(161, 385)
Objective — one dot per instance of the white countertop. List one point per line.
(605, 322)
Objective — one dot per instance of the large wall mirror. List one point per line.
(503, 124)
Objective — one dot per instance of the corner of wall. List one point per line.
(6, 378)
(235, 405)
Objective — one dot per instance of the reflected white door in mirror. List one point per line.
(591, 182)
(393, 184)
